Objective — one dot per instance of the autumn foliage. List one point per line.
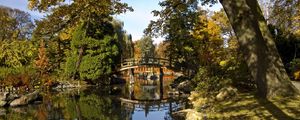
(42, 61)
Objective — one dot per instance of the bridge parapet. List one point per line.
(129, 63)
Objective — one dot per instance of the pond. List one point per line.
(138, 101)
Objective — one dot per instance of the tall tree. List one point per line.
(208, 40)
(220, 18)
(15, 24)
(285, 15)
(92, 20)
(124, 40)
(147, 47)
(161, 49)
(137, 49)
(99, 58)
(176, 21)
(65, 15)
(258, 47)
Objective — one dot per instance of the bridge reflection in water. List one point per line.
(146, 96)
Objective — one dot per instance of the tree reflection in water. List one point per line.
(151, 102)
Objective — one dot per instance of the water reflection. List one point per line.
(136, 101)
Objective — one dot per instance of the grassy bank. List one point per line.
(248, 106)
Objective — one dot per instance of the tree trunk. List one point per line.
(258, 48)
(80, 55)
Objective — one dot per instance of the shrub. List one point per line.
(16, 77)
(294, 68)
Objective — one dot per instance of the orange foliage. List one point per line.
(22, 80)
(297, 75)
(161, 50)
(137, 50)
(42, 62)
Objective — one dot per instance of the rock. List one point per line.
(176, 75)
(194, 115)
(185, 86)
(3, 96)
(26, 99)
(3, 111)
(226, 93)
(11, 97)
(115, 90)
(2, 103)
(188, 114)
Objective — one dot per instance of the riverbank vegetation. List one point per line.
(246, 52)
(65, 45)
(233, 52)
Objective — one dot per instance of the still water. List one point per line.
(143, 100)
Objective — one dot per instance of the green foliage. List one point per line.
(230, 72)
(124, 40)
(15, 24)
(99, 63)
(17, 53)
(294, 65)
(21, 76)
(209, 80)
(175, 23)
(70, 65)
(65, 16)
(147, 47)
(100, 53)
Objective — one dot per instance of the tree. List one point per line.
(147, 47)
(100, 53)
(258, 48)
(16, 53)
(16, 24)
(161, 50)
(208, 40)
(285, 15)
(65, 16)
(137, 49)
(124, 40)
(93, 41)
(176, 21)
(42, 62)
(220, 18)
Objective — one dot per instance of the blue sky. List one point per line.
(134, 22)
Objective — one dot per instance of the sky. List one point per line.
(134, 22)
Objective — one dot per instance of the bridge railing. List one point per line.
(145, 61)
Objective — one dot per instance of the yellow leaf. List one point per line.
(223, 63)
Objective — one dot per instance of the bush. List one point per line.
(21, 76)
(294, 65)
(208, 82)
(294, 68)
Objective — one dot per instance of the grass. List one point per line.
(247, 106)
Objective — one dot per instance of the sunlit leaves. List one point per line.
(175, 22)
(65, 15)
(16, 53)
(100, 52)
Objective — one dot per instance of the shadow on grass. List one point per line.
(273, 109)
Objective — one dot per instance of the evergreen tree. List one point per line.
(99, 55)
(147, 47)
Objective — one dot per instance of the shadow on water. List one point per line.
(123, 102)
